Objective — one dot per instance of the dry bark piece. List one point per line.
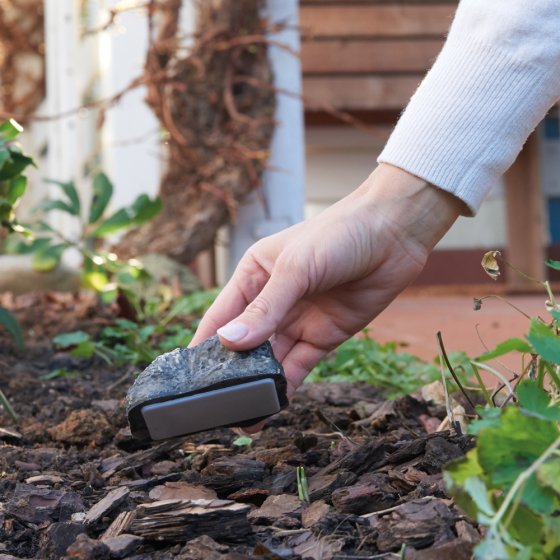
(120, 525)
(368, 456)
(288, 454)
(58, 537)
(11, 436)
(456, 549)
(163, 468)
(37, 505)
(84, 548)
(321, 487)
(123, 545)
(466, 532)
(107, 504)
(181, 520)
(315, 513)
(231, 474)
(438, 453)
(276, 507)
(416, 524)
(372, 494)
(203, 548)
(255, 496)
(182, 491)
(113, 465)
(319, 548)
(44, 479)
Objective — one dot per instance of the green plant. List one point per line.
(243, 441)
(510, 482)
(102, 271)
(13, 184)
(302, 486)
(363, 359)
(134, 343)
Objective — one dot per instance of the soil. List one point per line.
(74, 484)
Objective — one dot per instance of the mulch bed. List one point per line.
(74, 484)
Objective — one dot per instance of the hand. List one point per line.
(314, 285)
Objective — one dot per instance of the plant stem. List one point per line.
(551, 297)
(452, 372)
(483, 388)
(493, 371)
(507, 302)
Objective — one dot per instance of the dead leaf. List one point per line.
(490, 264)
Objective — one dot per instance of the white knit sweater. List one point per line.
(494, 80)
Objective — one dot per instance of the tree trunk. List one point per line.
(217, 106)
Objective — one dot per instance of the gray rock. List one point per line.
(206, 367)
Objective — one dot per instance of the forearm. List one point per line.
(497, 75)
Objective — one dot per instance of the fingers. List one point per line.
(230, 302)
(263, 315)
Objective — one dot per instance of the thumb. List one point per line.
(264, 314)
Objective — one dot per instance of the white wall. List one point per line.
(339, 158)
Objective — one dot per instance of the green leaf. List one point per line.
(145, 209)
(552, 537)
(476, 489)
(10, 129)
(102, 193)
(4, 156)
(94, 280)
(544, 341)
(10, 323)
(47, 258)
(66, 340)
(510, 448)
(55, 205)
(71, 193)
(119, 220)
(465, 468)
(549, 474)
(555, 314)
(84, 349)
(243, 441)
(553, 264)
(16, 188)
(490, 418)
(536, 399)
(59, 372)
(18, 162)
(505, 347)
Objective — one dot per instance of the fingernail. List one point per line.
(233, 331)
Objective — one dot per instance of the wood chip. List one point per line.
(44, 479)
(120, 525)
(182, 491)
(182, 520)
(8, 434)
(111, 501)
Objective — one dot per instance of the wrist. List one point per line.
(416, 211)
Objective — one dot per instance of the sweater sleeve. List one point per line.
(494, 80)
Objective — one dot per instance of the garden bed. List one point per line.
(71, 475)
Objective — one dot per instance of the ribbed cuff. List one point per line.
(470, 117)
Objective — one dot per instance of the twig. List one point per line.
(452, 372)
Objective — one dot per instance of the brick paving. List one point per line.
(415, 319)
